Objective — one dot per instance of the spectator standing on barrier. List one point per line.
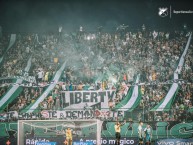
(118, 131)
(57, 103)
(40, 76)
(148, 135)
(140, 133)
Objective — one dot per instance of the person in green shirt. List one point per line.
(181, 106)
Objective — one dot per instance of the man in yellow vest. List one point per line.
(118, 131)
(69, 136)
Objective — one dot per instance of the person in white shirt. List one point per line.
(40, 75)
(64, 87)
(140, 133)
(118, 131)
(27, 49)
(60, 30)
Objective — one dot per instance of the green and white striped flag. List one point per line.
(132, 99)
(31, 108)
(14, 90)
(166, 103)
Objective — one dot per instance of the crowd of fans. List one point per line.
(14, 61)
(16, 58)
(4, 41)
(99, 61)
(183, 100)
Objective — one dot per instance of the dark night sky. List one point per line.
(47, 15)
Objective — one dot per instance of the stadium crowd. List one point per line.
(183, 101)
(102, 61)
(16, 58)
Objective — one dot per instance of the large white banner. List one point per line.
(86, 99)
